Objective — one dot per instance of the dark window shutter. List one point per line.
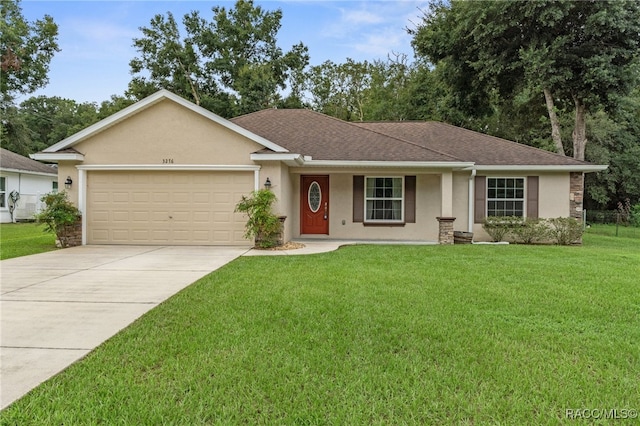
(532, 197)
(410, 199)
(358, 198)
(480, 198)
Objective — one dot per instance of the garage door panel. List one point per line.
(101, 197)
(181, 197)
(140, 216)
(120, 179)
(99, 236)
(101, 216)
(174, 207)
(121, 235)
(121, 216)
(161, 197)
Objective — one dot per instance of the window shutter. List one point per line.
(480, 199)
(532, 197)
(410, 199)
(358, 198)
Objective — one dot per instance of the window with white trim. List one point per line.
(3, 192)
(505, 197)
(384, 199)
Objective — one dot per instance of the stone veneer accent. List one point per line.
(70, 235)
(445, 233)
(576, 193)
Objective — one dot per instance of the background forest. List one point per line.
(562, 76)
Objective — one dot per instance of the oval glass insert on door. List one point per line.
(314, 196)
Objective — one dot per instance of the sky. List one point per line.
(96, 37)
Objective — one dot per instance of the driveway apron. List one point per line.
(56, 307)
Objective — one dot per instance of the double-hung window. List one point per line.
(3, 192)
(505, 197)
(384, 199)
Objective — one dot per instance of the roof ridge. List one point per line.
(404, 140)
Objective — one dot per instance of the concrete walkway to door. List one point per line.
(58, 306)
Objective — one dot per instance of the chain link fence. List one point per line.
(611, 223)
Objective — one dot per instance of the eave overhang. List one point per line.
(53, 173)
(298, 160)
(586, 168)
(293, 160)
(57, 156)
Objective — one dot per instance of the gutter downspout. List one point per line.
(472, 181)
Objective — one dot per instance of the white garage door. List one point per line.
(166, 207)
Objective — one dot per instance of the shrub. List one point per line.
(262, 224)
(498, 227)
(531, 231)
(58, 215)
(566, 230)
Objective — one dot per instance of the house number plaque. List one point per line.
(167, 161)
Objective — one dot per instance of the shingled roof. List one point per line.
(326, 138)
(469, 145)
(12, 161)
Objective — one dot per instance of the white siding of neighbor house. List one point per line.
(31, 188)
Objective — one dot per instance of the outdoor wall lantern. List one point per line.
(68, 182)
(267, 184)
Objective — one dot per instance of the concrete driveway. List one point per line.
(58, 306)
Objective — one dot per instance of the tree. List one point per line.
(614, 141)
(52, 119)
(578, 55)
(26, 49)
(170, 62)
(230, 65)
(340, 90)
(391, 89)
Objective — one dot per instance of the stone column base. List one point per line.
(445, 233)
(70, 235)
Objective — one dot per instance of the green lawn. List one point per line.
(21, 239)
(373, 335)
(613, 230)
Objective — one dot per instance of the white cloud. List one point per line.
(382, 42)
(360, 17)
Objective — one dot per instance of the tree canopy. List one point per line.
(580, 55)
(26, 50)
(231, 65)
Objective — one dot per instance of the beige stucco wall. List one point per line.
(278, 174)
(68, 168)
(553, 196)
(165, 134)
(341, 225)
(461, 201)
(167, 131)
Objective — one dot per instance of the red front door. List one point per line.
(314, 205)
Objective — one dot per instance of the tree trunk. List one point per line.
(579, 130)
(555, 123)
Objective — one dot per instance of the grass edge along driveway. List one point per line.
(373, 335)
(22, 239)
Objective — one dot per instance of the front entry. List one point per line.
(314, 205)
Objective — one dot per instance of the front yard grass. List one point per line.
(373, 335)
(22, 239)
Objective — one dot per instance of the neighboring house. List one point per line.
(165, 171)
(26, 181)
